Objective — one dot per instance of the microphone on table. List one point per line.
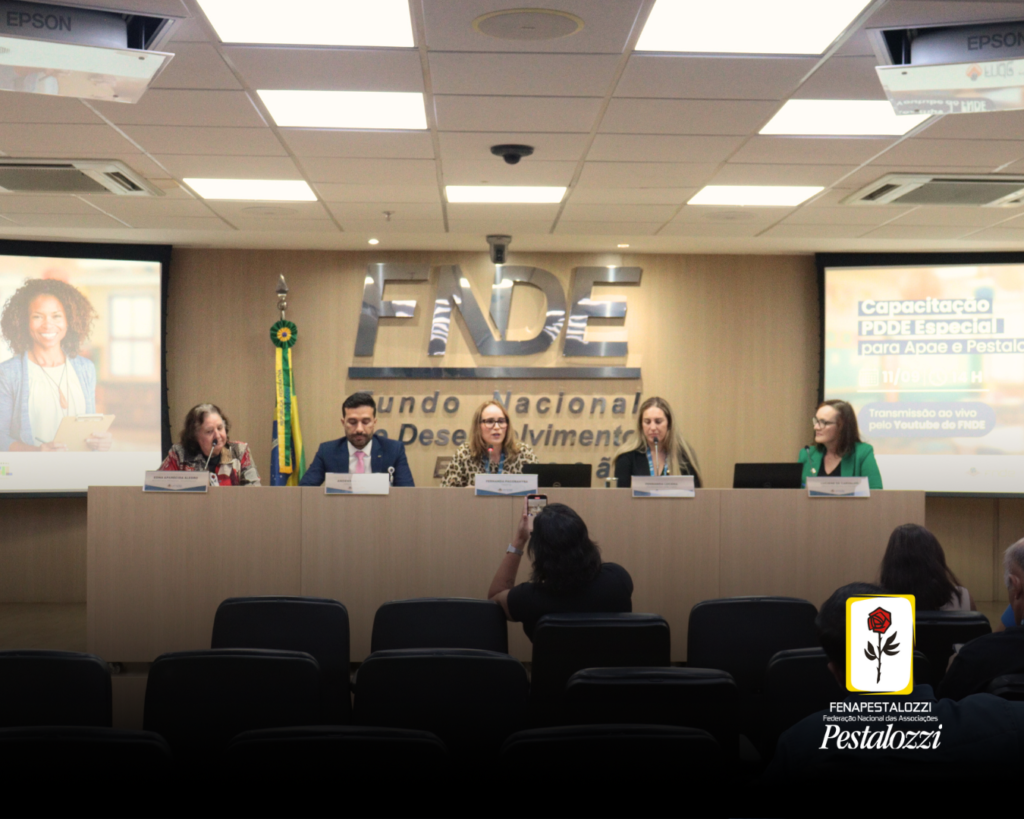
(655, 433)
(213, 446)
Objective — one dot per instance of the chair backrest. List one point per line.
(471, 699)
(566, 643)
(199, 700)
(54, 688)
(314, 625)
(80, 750)
(702, 698)
(741, 634)
(936, 632)
(1008, 686)
(797, 683)
(440, 622)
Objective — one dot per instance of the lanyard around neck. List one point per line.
(650, 463)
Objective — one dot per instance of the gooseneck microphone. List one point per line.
(213, 446)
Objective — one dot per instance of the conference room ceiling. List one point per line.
(633, 135)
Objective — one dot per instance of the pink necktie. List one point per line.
(360, 466)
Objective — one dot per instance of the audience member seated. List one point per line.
(981, 735)
(568, 574)
(985, 658)
(914, 563)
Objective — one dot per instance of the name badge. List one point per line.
(346, 483)
(170, 481)
(664, 486)
(505, 484)
(838, 488)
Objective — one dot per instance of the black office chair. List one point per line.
(469, 698)
(199, 700)
(701, 698)
(314, 625)
(936, 632)
(1008, 686)
(440, 622)
(566, 643)
(54, 688)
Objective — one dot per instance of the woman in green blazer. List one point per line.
(838, 450)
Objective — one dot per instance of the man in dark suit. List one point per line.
(360, 450)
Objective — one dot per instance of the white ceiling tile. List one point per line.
(502, 213)
(191, 30)
(230, 167)
(607, 26)
(483, 227)
(857, 45)
(373, 213)
(789, 231)
(791, 150)
(193, 108)
(988, 153)
(850, 215)
(383, 194)
(464, 145)
(551, 75)
(843, 78)
(167, 139)
(704, 229)
(662, 148)
(716, 214)
(369, 144)
(19, 107)
(961, 217)
(558, 114)
(997, 234)
(42, 203)
(915, 232)
(128, 207)
(241, 211)
(92, 220)
(142, 222)
(327, 69)
(603, 228)
(1013, 169)
(67, 140)
(282, 225)
(370, 171)
(496, 171)
(382, 230)
(645, 174)
(743, 174)
(633, 116)
(196, 65)
(910, 13)
(575, 212)
(735, 78)
(991, 125)
(630, 196)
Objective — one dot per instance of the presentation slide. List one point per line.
(80, 367)
(932, 359)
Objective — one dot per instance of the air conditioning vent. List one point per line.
(72, 176)
(989, 191)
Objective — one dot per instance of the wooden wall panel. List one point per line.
(42, 550)
(966, 528)
(1009, 529)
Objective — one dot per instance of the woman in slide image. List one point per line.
(672, 456)
(205, 445)
(492, 448)
(45, 323)
(838, 450)
(914, 563)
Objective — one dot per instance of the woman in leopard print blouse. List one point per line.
(492, 447)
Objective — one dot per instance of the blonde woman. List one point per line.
(492, 448)
(638, 457)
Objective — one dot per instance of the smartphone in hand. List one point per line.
(534, 503)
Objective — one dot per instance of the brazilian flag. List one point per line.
(287, 456)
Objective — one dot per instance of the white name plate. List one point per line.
(505, 484)
(171, 481)
(665, 486)
(346, 483)
(838, 488)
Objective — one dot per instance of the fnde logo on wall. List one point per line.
(880, 644)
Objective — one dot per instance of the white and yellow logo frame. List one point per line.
(850, 648)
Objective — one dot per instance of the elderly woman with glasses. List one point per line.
(492, 448)
(837, 450)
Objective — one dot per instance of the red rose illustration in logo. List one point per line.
(879, 621)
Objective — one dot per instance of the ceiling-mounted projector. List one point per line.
(72, 52)
(952, 69)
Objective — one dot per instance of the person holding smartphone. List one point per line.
(568, 573)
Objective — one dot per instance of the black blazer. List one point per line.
(633, 463)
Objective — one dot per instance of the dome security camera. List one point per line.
(512, 153)
(499, 248)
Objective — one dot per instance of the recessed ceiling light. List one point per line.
(841, 118)
(622, 245)
(747, 26)
(256, 190)
(373, 242)
(765, 196)
(312, 22)
(376, 110)
(504, 194)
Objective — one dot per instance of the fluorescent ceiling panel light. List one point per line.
(747, 26)
(765, 196)
(68, 70)
(379, 23)
(255, 190)
(509, 194)
(376, 110)
(841, 118)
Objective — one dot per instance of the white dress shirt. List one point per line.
(353, 461)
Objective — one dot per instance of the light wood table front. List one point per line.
(159, 565)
